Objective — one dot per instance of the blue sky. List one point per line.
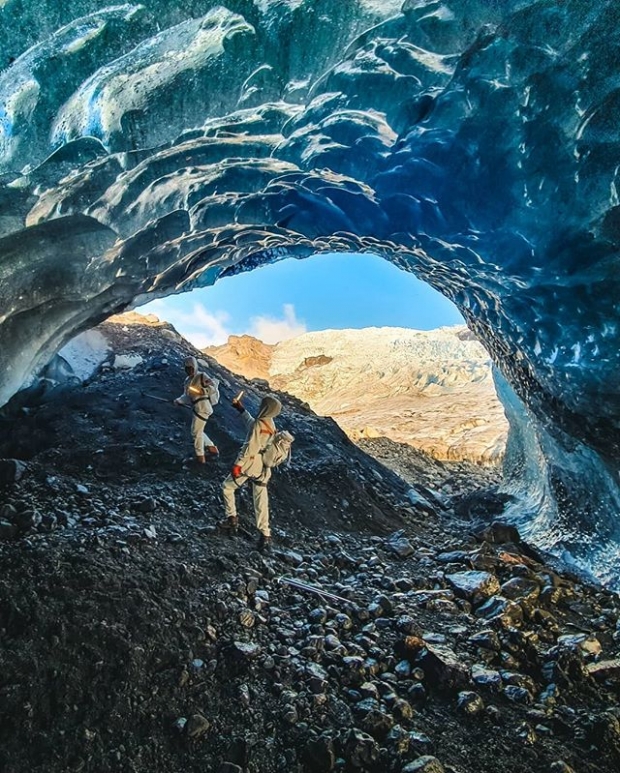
(295, 296)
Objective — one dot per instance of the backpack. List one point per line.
(278, 450)
(213, 391)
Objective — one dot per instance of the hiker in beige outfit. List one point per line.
(249, 465)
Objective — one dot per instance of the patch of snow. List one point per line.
(85, 353)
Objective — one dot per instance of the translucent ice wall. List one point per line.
(146, 150)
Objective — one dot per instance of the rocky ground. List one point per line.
(136, 637)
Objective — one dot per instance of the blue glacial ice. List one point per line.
(148, 150)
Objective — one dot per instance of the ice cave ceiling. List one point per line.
(150, 149)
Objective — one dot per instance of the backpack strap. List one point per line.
(267, 430)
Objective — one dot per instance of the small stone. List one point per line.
(494, 714)
(444, 666)
(517, 694)
(583, 642)
(488, 640)
(605, 669)
(291, 557)
(361, 749)
(146, 505)
(403, 669)
(426, 764)
(247, 618)
(420, 743)
(485, 676)
(245, 650)
(377, 723)
(11, 470)
(399, 545)
(27, 519)
(417, 693)
(8, 531)
(320, 754)
(521, 588)
(290, 715)
(318, 615)
(369, 690)
(244, 695)
(402, 709)
(406, 624)
(316, 671)
(197, 726)
(469, 703)
(332, 643)
(501, 533)
(559, 766)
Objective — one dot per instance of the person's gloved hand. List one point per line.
(236, 471)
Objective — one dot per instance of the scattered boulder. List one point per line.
(11, 470)
(473, 585)
(426, 764)
(197, 726)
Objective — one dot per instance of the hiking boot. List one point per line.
(230, 526)
(194, 462)
(264, 544)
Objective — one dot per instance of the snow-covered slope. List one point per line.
(431, 389)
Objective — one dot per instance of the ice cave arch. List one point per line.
(149, 150)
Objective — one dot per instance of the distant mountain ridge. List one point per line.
(431, 389)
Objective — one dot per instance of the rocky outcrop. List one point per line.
(432, 390)
(245, 355)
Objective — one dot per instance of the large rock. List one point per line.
(474, 585)
(11, 470)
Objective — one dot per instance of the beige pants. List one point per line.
(201, 439)
(259, 495)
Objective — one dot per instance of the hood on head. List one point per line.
(270, 407)
(191, 362)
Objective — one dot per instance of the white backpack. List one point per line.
(279, 449)
(213, 391)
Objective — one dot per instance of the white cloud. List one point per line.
(200, 327)
(271, 329)
(211, 328)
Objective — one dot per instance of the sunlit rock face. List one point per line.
(430, 389)
(151, 149)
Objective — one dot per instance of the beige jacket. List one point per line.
(196, 390)
(260, 433)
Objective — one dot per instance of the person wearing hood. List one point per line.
(249, 466)
(201, 393)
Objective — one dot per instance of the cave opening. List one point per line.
(394, 352)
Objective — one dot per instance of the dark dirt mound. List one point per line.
(137, 637)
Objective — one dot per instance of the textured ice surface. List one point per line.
(146, 150)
